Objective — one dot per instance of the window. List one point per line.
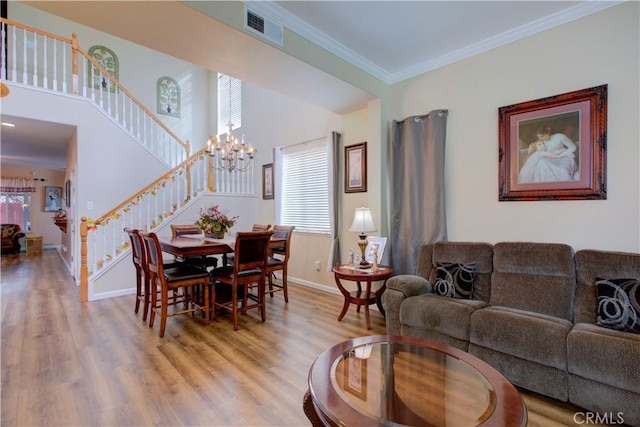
(304, 187)
(230, 110)
(15, 208)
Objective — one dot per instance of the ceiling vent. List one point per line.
(258, 24)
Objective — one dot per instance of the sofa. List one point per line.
(11, 235)
(531, 310)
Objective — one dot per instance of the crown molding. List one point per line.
(293, 23)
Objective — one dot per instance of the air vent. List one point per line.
(265, 28)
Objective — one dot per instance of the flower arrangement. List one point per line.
(212, 220)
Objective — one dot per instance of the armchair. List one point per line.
(11, 233)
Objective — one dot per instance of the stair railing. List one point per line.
(103, 239)
(39, 59)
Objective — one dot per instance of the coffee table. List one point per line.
(400, 380)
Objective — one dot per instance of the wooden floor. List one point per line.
(67, 363)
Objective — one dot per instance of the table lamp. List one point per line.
(362, 223)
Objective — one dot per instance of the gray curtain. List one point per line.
(335, 249)
(418, 213)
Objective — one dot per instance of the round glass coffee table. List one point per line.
(408, 381)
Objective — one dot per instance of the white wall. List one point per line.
(595, 50)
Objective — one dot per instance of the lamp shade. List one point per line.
(362, 221)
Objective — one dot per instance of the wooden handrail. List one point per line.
(142, 107)
(148, 187)
(73, 42)
(35, 30)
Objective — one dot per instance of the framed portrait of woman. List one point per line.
(554, 148)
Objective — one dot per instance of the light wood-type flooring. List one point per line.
(66, 363)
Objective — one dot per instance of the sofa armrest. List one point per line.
(400, 288)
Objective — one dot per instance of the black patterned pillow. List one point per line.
(619, 304)
(455, 280)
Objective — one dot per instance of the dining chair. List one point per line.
(249, 266)
(278, 260)
(139, 255)
(178, 230)
(163, 280)
(228, 258)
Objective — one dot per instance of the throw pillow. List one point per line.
(619, 304)
(455, 280)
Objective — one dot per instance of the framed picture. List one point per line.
(355, 174)
(554, 148)
(373, 240)
(52, 199)
(67, 193)
(267, 181)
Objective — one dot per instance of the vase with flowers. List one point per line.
(214, 223)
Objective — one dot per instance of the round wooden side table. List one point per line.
(358, 297)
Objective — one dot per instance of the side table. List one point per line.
(349, 272)
(33, 244)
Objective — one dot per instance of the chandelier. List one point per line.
(230, 154)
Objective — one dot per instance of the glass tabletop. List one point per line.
(403, 384)
(394, 380)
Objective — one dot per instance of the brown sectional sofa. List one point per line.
(532, 316)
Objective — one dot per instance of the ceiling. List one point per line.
(390, 40)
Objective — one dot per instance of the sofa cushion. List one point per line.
(604, 355)
(464, 253)
(591, 264)
(454, 280)
(447, 316)
(619, 304)
(536, 277)
(531, 336)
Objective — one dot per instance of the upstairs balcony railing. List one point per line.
(39, 59)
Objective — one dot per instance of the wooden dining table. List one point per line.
(191, 246)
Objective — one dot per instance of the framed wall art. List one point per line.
(355, 174)
(267, 181)
(554, 148)
(52, 199)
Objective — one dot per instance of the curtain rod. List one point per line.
(303, 142)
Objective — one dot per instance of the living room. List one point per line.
(472, 90)
(602, 48)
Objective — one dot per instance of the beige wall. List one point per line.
(41, 221)
(595, 50)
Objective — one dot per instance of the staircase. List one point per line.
(46, 62)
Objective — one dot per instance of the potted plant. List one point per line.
(214, 223)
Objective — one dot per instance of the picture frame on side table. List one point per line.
(374, 240)
(355, 173)
(554, 148)
(267, 181)
(52, 199)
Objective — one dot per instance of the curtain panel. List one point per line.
(418, 213)
(17, 185)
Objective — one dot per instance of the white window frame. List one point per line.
(230, 110)
(304, 184)
(26, 209)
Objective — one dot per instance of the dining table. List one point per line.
(198, 245)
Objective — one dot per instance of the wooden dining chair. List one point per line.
(162, 281)
(139, 255)
(249, 266)
(278, 260)
(261, 227)
(178, 230)
(228, 258)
